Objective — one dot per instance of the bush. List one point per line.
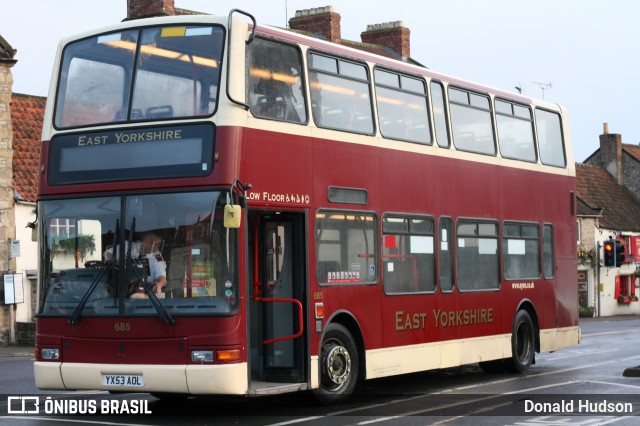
(585, 311)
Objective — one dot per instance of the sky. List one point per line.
(582, 54)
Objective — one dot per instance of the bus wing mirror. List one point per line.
(232, 214)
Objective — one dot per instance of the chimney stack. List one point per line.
(138, 9)
(392, 35)
(321, 22)
(611, 153)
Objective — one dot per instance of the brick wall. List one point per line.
(322, 22)
(137, 9)
(392, 35)
(611, 155)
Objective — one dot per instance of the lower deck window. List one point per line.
(408, 255)
(346, 247)
(477, 256)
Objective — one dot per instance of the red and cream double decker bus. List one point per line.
(227, 208)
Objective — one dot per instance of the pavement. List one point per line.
(12, 351)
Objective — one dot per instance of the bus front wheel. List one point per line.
(339, 365)
(522, 342)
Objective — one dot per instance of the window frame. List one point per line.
(553, 252)
(478, 222)
(470, 105)
(445, 114)
(338, 59)
(562, 137)
(505, 239)
(424, 95)
(375, 245)
(408, 232)
(303, 81)
(514, 116)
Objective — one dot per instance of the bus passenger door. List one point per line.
(278, 298)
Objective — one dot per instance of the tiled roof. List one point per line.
(633, 150)
(599, 190)
(27, 113)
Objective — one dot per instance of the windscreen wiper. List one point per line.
(148, 289)
(75, 316)
(108, 266)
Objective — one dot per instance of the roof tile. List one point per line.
(27, 114)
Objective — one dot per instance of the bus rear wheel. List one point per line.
(339, 365)
(523, 347)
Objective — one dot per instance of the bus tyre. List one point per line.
(522, 343)
(339, 365)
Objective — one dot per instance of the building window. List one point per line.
(62, 228)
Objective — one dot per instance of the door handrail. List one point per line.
(300, 319)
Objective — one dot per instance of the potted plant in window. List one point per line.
(624, 298)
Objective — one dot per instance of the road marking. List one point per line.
(67, 420)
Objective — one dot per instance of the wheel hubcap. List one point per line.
(338, 365)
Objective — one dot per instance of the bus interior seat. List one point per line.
(163, 111)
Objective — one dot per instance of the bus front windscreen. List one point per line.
(137, 255)
(140, 75)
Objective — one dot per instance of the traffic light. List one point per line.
(619, 253)
(613, 253)
(609, 249)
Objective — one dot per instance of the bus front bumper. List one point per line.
(228, 379)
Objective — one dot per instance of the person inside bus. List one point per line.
(157, 276)
(149, 250)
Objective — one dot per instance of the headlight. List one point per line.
(202, 356)
(50, 354)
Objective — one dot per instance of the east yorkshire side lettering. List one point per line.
(463, 317)
(405, 321)
(128, 137)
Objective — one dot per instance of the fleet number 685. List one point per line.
(122, 326)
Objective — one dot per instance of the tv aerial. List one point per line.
(543, 86)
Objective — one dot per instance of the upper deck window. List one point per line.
(515, 131)
(275, 89)
(340, 96)
(149, 74)
(471, 121)
(402, 107)
(550, 138)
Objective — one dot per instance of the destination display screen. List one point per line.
(141, 153)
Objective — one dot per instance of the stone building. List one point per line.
(608, 205)
(7, 223)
